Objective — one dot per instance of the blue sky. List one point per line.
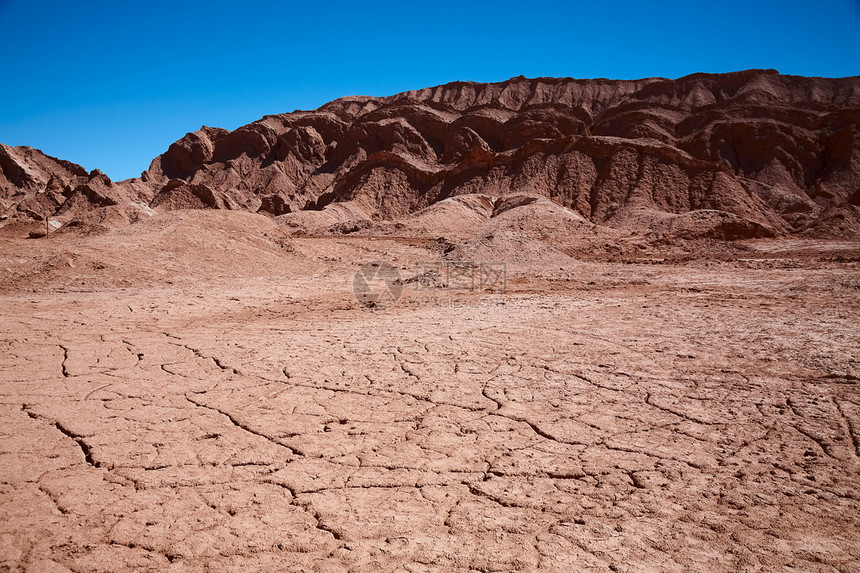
(112, 85)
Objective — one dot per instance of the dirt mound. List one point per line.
(179, 247)
(513, 249)
(455, 216)
(337, 217)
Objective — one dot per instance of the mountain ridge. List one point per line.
(778, 155)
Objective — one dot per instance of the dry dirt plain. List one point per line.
(227, 406)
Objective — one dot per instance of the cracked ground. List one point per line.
(699, 416)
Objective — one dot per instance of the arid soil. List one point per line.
(200, 391)
(626, 336)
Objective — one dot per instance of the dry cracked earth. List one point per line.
(694, 416)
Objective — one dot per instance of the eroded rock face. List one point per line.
(781, 154)
(182, 158)
(33, 184)
(777, 153)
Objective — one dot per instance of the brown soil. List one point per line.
(201, 391)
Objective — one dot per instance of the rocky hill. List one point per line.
(751, 153)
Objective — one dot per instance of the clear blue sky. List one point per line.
(113, 84)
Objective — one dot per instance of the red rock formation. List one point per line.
(770, 154)
(32, 184)
(780, 153)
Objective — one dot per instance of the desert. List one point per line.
(617, 330)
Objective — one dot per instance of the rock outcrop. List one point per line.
(34, 185)
(755, 152)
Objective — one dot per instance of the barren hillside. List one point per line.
(752, 154)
